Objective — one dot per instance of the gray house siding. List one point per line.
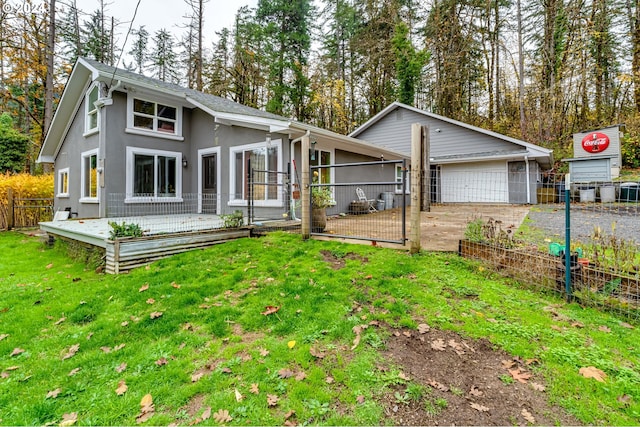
(394, 131)
(70, 154)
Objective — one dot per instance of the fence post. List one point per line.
(416, 191)
(305, 188)
(10, 205)
(567, 237)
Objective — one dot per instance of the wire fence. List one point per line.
(603, 228)
(25, 212)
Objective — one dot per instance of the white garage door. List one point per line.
(474, 183)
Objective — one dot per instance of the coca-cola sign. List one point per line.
(595, 142)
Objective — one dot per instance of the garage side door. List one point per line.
(474, 183)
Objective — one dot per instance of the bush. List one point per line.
(124, 230)
(24, 186)
(234, 220)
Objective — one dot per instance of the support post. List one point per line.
(305, 196)
(416, 191)
(567, 237)
(10, 209)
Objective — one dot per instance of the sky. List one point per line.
(169, 14)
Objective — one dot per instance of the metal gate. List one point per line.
(369, 201)
(269, 200)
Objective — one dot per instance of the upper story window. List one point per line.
(146, 117)
(91, 111)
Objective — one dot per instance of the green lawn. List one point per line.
(190, 332)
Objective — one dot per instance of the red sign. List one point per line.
(595, 142)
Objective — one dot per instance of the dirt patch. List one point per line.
(338, 262)
(466, 382)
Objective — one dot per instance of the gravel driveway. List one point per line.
(584, 220)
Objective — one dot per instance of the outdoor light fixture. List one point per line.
(184, 162)
(438, 130)
(268, 138)
(313, 150)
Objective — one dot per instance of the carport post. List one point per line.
(305, 193)
(416, 191)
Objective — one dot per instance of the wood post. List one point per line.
(416, 190)
(305, 188)
(426, 169)
(10, 209)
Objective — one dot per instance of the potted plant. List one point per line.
(321, 199)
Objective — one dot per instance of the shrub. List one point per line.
(124, 230)
(234, 220)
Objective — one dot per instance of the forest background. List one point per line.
(538, 70)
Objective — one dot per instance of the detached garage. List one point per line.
(468, 164)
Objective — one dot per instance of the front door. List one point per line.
(209, 183)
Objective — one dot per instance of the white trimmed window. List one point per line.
(261, 156)
(399, 180)
(63, 183)
(89, 177)
(157, 118)
(153, 175)
(91, 111)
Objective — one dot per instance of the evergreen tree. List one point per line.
(163, 57)
(409, 63)
(139, 51)
(13, 146)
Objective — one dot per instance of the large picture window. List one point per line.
(89, 178)
(146, 116)
(153, 175)
(261, 157)
(91, 111)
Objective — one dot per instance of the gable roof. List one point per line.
(223, 110)
(523, 146)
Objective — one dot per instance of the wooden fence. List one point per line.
(22, 213)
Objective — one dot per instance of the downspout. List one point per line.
(526, 162)
(101, 103)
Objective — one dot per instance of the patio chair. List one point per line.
(363, 198)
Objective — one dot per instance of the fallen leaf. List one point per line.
(626, 325)
(264, 352)
(71, 352)
(272, 399)
(527, 416)
(175, 285)
(438, 345)
(122, 388)
(402, 376)
(423, 328)
(270, 309)
(254, 389)
(291, 344)
(407, 334)
(155, 314)
(538, 387)
(69, 419)
(475, 391)
(316, 353)
(360, 399)
(119, 347)
(577, 325)
(89, 335)
(143, 287)
(519, 375)
(556, 328)
(151, 301)
(329, 380)
(196, 377)
(12, 368)
(49, 266)
(285, 373)
(239, 396)
(300, 376)
(289, 414)
(529, 362)
(53, 393)
(625, 399)
(593, 372)
(147, 409)
(4, 375)
(121, 368)
(106, 349)
(161, 362)
(62, 319)
(125, 323)
(16, 351)
(226, 370)
(222, 416)
(356, 341)
(508, 364)
(206, 414)
(603, 328)
(73, 372)
(3, 336)
(479, 407)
